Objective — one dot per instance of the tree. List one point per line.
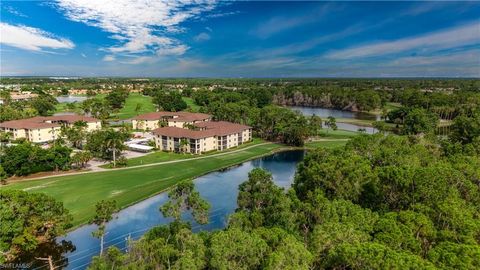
(104, 211)
(81, 158)
(183, 198)
(184, 144)
(3, 176)
(465, 129)
(315, 124)
(264, 203)
(104, 143)
(25, 224)
(419, 121)
(138, 108)
(114, 141)
(75, 134)
(169, 101)
(236, 249)
(381, 126)
(44, 104)
(331, 123)
(116, 98)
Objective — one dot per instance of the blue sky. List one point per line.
(198, 38)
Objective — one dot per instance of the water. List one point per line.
(324, 113)
(219, 188)
(70, 99)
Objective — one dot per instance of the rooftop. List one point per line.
(40, 122)
(206, 129)
(179, 116)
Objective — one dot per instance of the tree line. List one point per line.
(381, 202)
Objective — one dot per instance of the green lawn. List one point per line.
(326, 144)
(79, 193)
(338, 134)
(128, 111)
(191, 104)
(359, 122)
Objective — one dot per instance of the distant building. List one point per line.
(19, 97)
(151, 121)
(43, 129)
(204, 137)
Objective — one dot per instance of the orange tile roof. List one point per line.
(208, 129)
(177, 116)
(40, 122)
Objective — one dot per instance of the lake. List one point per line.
(71, 99)
(324, 113)
(219, 188)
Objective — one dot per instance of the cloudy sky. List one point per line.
(196, 38)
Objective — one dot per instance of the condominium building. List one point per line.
(43, 129)
(202, 137)
(151, 121)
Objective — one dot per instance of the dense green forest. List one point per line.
(381, 202)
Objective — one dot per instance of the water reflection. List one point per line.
(324, 113)
(219, 188)
(70, 99)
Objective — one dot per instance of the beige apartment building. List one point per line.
(151, 121)
(44, 129)
(206, 136)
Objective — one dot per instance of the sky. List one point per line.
(207, 38)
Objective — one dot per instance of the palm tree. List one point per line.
(183, 145)
(113, 142)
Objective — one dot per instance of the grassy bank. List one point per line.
(79, 193)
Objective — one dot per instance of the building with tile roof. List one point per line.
(202, 137)
(44, 129)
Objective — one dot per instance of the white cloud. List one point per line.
(83, 55)
(202, 37)
(32, 39)
(140, 26)
(109, 58)
(281, 23)
(446, 39)
(15, 12)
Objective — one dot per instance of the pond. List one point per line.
(324, 113)
(71, 99)
(219, 188)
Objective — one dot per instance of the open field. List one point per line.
(128, 111)
(80, 192)
(191, 104)
(338, 134)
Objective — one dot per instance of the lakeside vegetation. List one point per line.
(80, 192)
(379, 202)
(411, 199)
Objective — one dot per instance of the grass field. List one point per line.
(326, 144)
(191, 104)
(338, 134)
(128, 111)
(80, 192)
